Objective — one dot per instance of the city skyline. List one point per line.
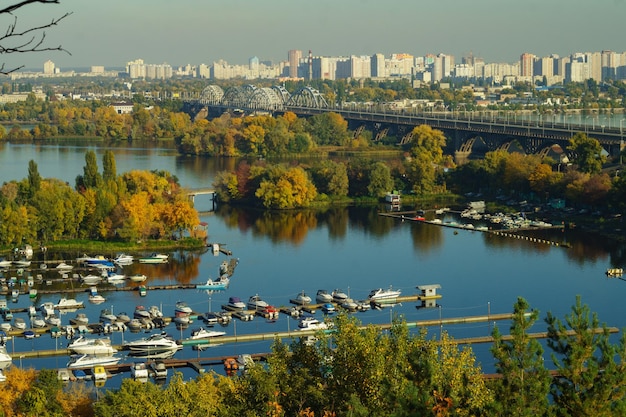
(114, 32)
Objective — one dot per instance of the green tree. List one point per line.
(91, 177)
(591, 378)
(330, 178)
(525, 384)
(380, 181)
(34, 179)
(587, 153)
(109, 169)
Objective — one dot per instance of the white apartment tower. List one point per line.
(48, 67)
(294, 56)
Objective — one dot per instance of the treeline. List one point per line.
(299, 185)
(363, 371)
(101, 206)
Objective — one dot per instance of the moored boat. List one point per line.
(323, 296)
(615, 272)
(311, 323)
(138, 370)
(380, 295)
(138, 278)
(301, 299)
(156, 343)
(203, 333)
(219, 284)
(123, 259)
(155, 258)
(85, 346)
(256, 303)
(87, 361)
(159, 369)
(235, 303)
(68, 303)
(339, 296)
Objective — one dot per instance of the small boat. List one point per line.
(135, 325)
(301, 299)
(203, 333)
(155, 258)
(156, 343)
(92, 260)
(213, 318)
(64, 267)
(19, 323)
(115, 278)
(46, 308)
(138, 278)
(53, 320)
(224, 267)
(182, 309)
(96, 299)
(28, 334)
(24, 263)
(6, 313)
(349, 304)
(106, 316)
(90, 279)
(256, 303)
(85, 346)
(155, 312)
(15, 294)
(159, 369)
(123, 317)
(3, 337)
(141, 313)
(143, 291)
(80, 319)
(381, 296)
(138, 370)
(219, 284)
(339, 296)
(615, 272)
(63, 375)
(323, 296)
(38, 322)
(5, 263)
(123, 259)
(311, 323)
(32, 293)
(87, 361)
(68, 303)
(235, 303)
(328, 308)
(5, 358)
(32, 311)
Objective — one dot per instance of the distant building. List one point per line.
(294, 56)
(48, 67)
(122, 108)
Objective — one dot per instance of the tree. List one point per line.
(109, 169)
(523, 389)
(34, 179)
(33, 39)
(591, 378)
(380, 180)
(587, 153)
(289, 189)
(91, 177)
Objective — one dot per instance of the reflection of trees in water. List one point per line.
(584, 247)
(337, 221)
(426, 237)
(182, 268)
(368, 220)
(291, 226)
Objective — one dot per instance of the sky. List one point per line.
(114, 32)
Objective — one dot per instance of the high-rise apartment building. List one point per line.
(527, 62)
(48, 67)
(294, 56)
(377, 69)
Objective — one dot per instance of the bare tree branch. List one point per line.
(27, 40)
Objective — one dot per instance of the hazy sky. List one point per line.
(113, 32)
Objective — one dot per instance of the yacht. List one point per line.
(339, 296)
(115, 278)
(19, 323)
(80, 319)
(159, 369)
(155, 258)
(301, 299)
(203, 333)
(323, 297)
(53, 320)
(311, 323)
(123, 259)
(87, 361)
(156, 343)
(256, 303)
(46, 308)
(141, 313)
(235, 303)
(38, 322)
(84, 346)
(106, 316)
(64, 267)
(381, 295)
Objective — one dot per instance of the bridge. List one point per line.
(467, 131)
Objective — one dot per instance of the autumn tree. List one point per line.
(286, 189)
(591, 371)
(329, 128)
(330, 178)
(425, 156)
(525, 383)
(587, 153)
(34, 178)
(380, 181)
(109, 168)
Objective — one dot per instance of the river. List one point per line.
(354, 249)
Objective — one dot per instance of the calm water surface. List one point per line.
(353, 249)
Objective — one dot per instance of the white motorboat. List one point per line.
(5, 358)
(141, 313)
(203, 333)
(235, 303)
(87, 361)
(138, 278)
(182, 309)
(301, 299)
(311, 323)
(22, 263)
(68, 303)
(46, 308)
(64, 267)
(106, 316)
(219, 284)
(38, 322)
(138, 370)
(123, 259)
(85, 346)
(32, 311)
(155, 312)
(115, 278)
(19, 323)
(91, 279)
(80, 319)
(156, 343)
(155, 258)
(323, 297)
(349, 304)
(256, 303)
(53, 320)
(5, 263)
(380, 295)
(96, 298)
(339, 296)
(135, 325)
(123, 317)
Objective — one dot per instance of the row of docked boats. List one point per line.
(378, 295)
